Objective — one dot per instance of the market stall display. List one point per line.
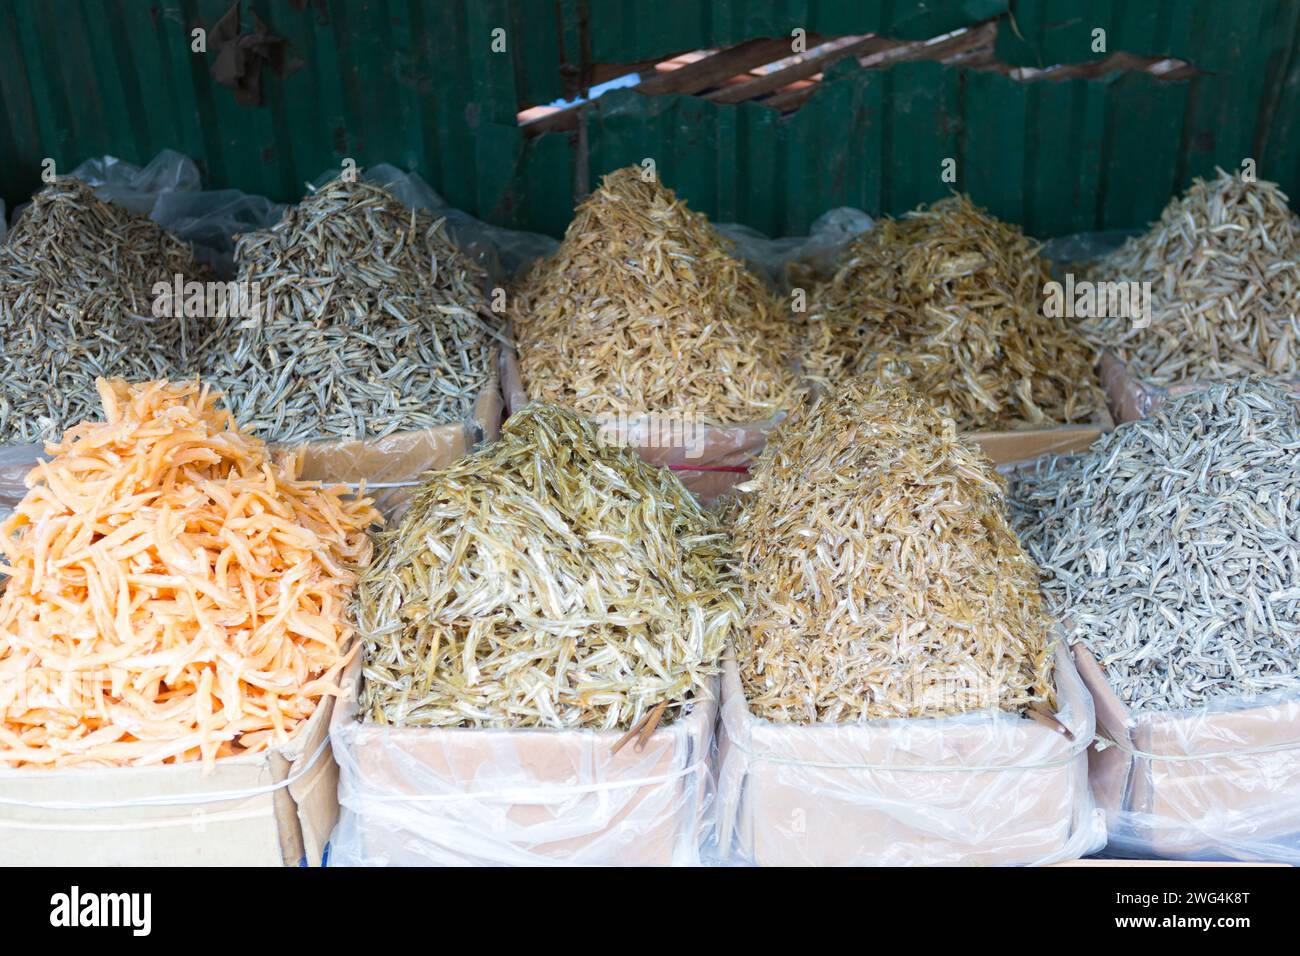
(541, 634)
(1167, 552)
(895, 635)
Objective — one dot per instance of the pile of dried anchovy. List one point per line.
(948, 299)
(1224, 268)
(76, 303)
(1170, 548)
(548, 580)
(881, 576)
(374, 322)
(643, 309)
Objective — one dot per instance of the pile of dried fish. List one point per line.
(174, 593)
(372, 322)
(1170, 548)
(548, 580)
(881, 577)
(643, 309)
(76, 303)
(948, 299)
(1224, 268)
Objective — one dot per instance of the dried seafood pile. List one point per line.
(173, 593)
(548, 580)
(643, 309)
(1170, 548)
(1224, 268)
(76, 303)
(948, 299)
(374, 322)
(881, 577)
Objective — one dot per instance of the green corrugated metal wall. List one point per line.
(416, 84)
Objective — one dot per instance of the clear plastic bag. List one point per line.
(1216, 782)
(981, 788)
(457, 797)
(169, 190)
(793, 259)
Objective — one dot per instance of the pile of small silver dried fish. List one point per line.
(949, 299)
(881, 576)
(548, 580)
(643, 309)
(1170, 549)
(76, 304)
(373, 322)
(1224, 268)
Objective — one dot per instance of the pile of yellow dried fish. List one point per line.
(643, 309)
(948, 299)
(548, 580)
(1170, 551)
(76, 303)
(374, 322)
(880, 575)
(1224, 267)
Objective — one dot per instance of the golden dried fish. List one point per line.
(548, 580)
(643, 309)
(1224, 267)
(76, 303)
(880, 575)
(948, 300)
(375, 322)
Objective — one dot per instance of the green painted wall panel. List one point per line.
(416, 84)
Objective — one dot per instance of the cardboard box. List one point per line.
(1241, 800)
(270, 809)
(398, 460)
(461, 796)
(978, 789)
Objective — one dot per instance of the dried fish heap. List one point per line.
(948, 299)
(373, 322)
(548, 580)
(644, 310)
(174, 594)
(1224, 267)
(76, 303)
(1169, 549)
(878, 564)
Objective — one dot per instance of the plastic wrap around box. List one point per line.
(462, 796)
(1220, 782)
(270, 809)
(986, 788)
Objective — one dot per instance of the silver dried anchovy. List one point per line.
(76, 303)
(1224, 267)
(1170, 548)
(374, 322)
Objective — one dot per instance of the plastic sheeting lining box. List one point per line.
(462, 796)
(978, 789)
(1221, 782)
